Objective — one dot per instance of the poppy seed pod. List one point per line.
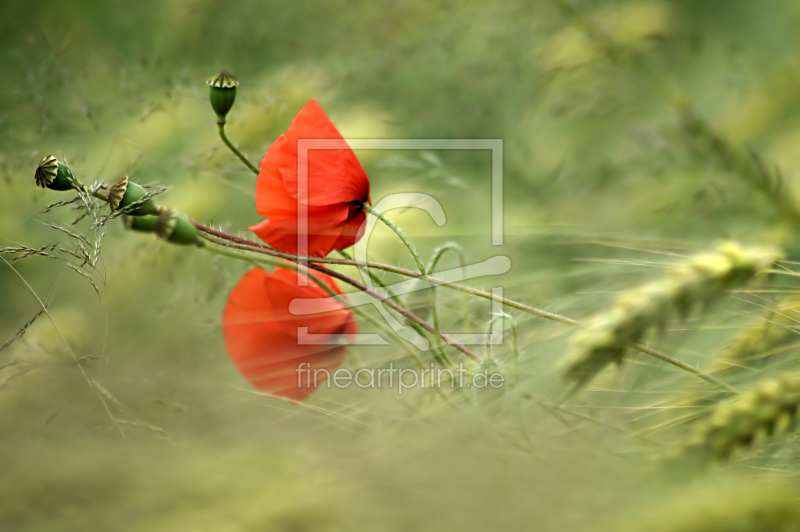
(55, 175)
(222, 93)
(125, 194)
(176, 228)
(145, 224)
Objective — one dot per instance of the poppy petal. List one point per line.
(324, 228)
(328, 175)
(351, 232)
(261, 335)
(272, 200)
(283, 287)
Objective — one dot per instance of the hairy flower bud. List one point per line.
(176, 228)
(55, 175)
(222, 93)
(127, 195)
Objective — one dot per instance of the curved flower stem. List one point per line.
(224, 239)
(378, 281)
(397, 308)
(372, 275)
(244, 244)
(396, 230)
(266, 250)
(374, 320)
(259, 248)
(363, 288)
(229, 144)
(438, 253)
(224, 251)
(420, 266)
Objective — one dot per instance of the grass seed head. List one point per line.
(763, 339)
(748, 421)
(695, 284)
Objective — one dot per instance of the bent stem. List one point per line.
(397, 308)
(229, 144)
(378, 281)
(396, 230)
(383, 327)
(248, 245)
(222, 250)
(422, 270)
(372, 275)
(363, 288)
(438, 253)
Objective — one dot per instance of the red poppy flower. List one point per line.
(263, 337)
(324, 185)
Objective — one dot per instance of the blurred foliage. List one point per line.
(121, 410)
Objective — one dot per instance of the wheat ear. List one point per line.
(697, 283)
(767, 411)
(757, 342)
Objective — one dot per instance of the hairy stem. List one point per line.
(378, 281)
(229, 144)
(383, 299)
(421, 267)
(224, 251)
(253, 246)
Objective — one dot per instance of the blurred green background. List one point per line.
(142, 423)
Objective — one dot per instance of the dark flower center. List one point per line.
(355, 209)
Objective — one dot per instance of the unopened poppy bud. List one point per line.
(176, 228)
(145, 224)
(222, 93)
(55, 175)
(125, 194)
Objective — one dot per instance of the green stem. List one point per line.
(223, 251)
(378, 281)
(438, 253)
(100, 195)
(372, 275)
(258, 248)
(224, 137)
(684, 366)
(372, 293)
(442, 356)
(556, 408)
(406, 242)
